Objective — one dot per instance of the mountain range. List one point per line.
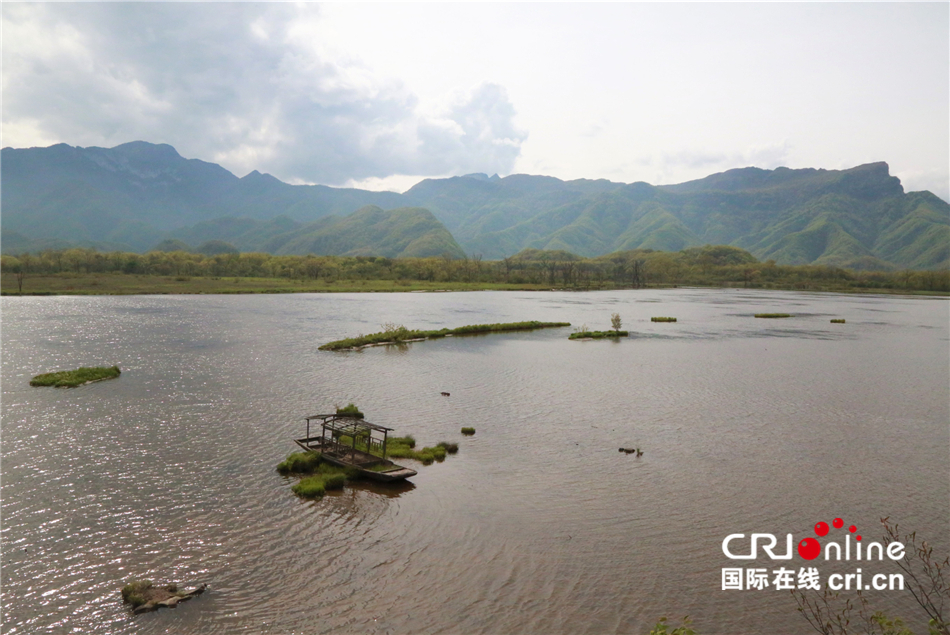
(136, 195)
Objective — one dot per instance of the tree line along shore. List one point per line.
(90, 272)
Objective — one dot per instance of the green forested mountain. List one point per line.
(855, 218)
(137, 195)
(370, 231)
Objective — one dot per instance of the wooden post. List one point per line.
(385, 436)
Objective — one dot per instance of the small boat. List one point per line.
(364, 449)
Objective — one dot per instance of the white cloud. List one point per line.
(246, 85)
(937, 181)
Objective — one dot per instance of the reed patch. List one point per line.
(78, 377)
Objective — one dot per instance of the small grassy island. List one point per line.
(838, 321)
(772, 315)
(468, 431)
(78, 377)
(144, 596)
(596, 335)
(350, 411)
(395, 334)
(350, 448)
(662, 319)
(320, 476)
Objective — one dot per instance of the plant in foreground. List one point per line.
(830, 614)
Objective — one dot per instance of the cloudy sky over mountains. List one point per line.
(382, 95)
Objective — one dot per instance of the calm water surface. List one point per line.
(538, 525)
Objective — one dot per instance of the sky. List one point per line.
(380, 96)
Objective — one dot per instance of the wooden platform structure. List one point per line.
(370, 437)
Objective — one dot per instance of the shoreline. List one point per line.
(125, 284)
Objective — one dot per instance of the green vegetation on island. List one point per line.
(320, 476)
(144, 596)
(394, 334)
(596, 335)
(78, 377)
(772, 315)
(468, 431)
(838, 321)
(350, 411)
(403, 448)
(662, 319)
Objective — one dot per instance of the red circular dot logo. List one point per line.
(821, 528)
(838, 523)
(852, 529)
(809, 549)
(857, 537)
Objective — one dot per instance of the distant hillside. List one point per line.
(853, 218)
(370, 231)
(137, 195)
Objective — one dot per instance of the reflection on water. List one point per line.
(537, 525)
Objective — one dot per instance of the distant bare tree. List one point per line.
(507, 262)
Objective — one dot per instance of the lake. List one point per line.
(537, 525)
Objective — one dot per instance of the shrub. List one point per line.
(350, 411)
(837, 322)
(451, 448)
(468, 431)
(132, 592)
(135, 600)
(772, 315)
(662, 319)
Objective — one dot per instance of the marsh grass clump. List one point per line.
(78, 377)
(597, 335)
(134, 592)
(838, 321)
(401, 448)
(408, 441)
(334, 481)
(468, 431)
(300, 463)
(451, 448)
(319, 475)
(310, 487)
(662, 319)
(773, 315)
(394, 334)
